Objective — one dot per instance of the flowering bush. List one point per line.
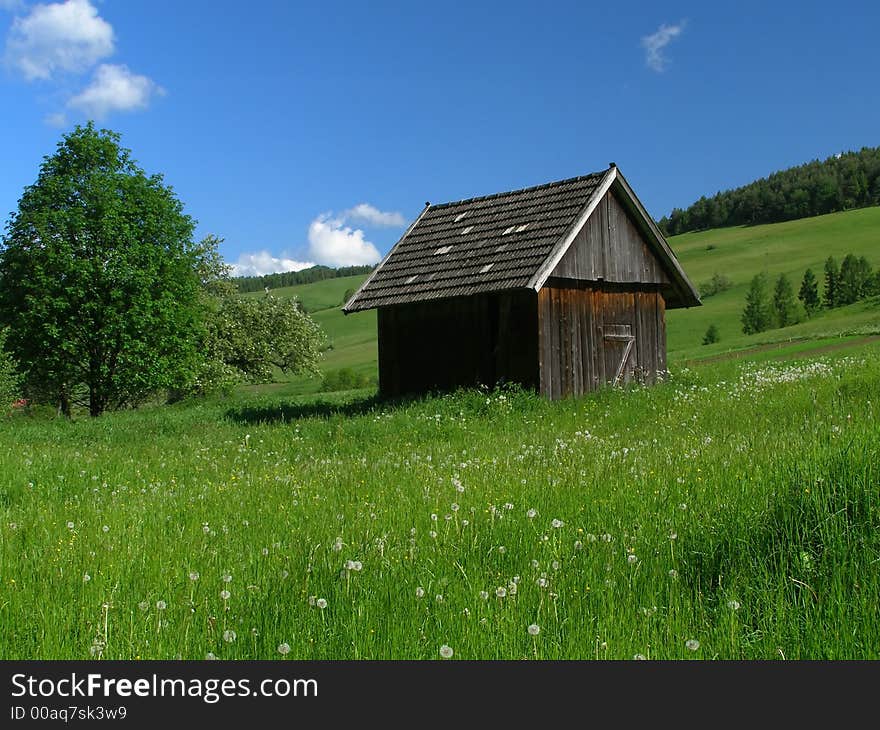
(9, 381)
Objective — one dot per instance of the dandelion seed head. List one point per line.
(501, 591)
(105, 529)
(284, 648)
(692, 644)
(224, 594)
(733, 605)
(227, 578)
(161, 605)
(446, 651)
(534, 629)
(484, 595)
(639, 657)
(229, 636)
(532, 513)
(321, 603)
(86, 577)
(557, 524)
(193, 576)
(69, 525)
(632, 559)
(420, 592)
(143, 605)
(211, 656)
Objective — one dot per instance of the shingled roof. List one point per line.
(492, 243)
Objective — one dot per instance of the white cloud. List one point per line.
(114, 88)
(332, 243)
(656, 42)
(65, 36)
(58, 119)
(263, 262)
(372, 216)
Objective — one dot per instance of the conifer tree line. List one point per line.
(844, 284)
(851, 180)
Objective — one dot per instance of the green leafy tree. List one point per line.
(809, 293)
(756, 316)
(98, 279)
(712, 335)
(248, 338)
(832, 276)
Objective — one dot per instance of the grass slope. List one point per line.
(780, 248)
(729, 513)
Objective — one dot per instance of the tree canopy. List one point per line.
(99, 278)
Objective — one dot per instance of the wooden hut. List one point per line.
(561, 287)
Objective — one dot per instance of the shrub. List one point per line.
(712, 335)
(345, 379)
(10, 380)
(717, 284)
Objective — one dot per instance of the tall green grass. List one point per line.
(732, 510)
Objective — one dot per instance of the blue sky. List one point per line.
(314, 132)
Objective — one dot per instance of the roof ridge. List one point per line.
(530, 189)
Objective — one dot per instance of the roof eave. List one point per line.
(351, 305)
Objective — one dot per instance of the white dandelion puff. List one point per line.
(733, 605)
(229, 636)
(534, 629)
(227, 578)
(420, 592)
(484, 595)
(321, 603)
(211, 656)
(194, 576)
(105, 528)
(501, 591)
(446, 651)
(557, 523)
(692, 644)
(532, 513)
(225, 595)
(161, 605)
(69, 525)
(632, 559)
(639, 657)
(86, 577)
(284, 649)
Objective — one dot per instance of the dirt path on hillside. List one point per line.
(738, 354)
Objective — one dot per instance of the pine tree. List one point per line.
(809, 293)
(756, 316)
(832, 277)
(784, 306)
(712, 335)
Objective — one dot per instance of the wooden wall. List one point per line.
(610, 247)
(585, 329)
(465, 341)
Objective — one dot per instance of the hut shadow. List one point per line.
(326, 409)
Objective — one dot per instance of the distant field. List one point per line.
(739, 253)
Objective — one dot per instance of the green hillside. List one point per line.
(790, 248)
(738, 253)
(318, 295)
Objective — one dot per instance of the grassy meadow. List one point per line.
(732, 512)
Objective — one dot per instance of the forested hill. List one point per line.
(844, 181)
(294, 278)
